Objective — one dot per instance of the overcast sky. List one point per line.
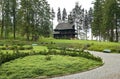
(69, 5)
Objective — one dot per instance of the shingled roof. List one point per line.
(64, 26)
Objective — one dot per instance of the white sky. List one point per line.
(69, 5)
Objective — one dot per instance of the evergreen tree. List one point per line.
(117, 21)
(90, 19)
(26, 17)
(106, 13)
(2, 16)
(70, 18)
(64, 15)
(59, 15)
(90, 16)
(52, 17)
(36, 18)
(13, 15)
(6, 19)
(109, 19)
(97, 21)
(78, 19)
(86, 23)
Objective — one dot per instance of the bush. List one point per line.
(16, 47)
(48, 57)
(43, 52)
(28, 47)
(3, 48)
(74, 52)
(20, 44)
(1, 44)
(5, 57)
(21, 48)
(38, 71)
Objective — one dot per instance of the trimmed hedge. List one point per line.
(74, 52)
(16, 47)
(5, 57)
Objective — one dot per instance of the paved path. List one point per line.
(110, 70)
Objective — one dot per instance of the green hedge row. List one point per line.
(73, 52)
(16, 47)
(5, 57)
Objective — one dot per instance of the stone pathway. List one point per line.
(110, 70)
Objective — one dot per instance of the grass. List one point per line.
(37, 65)
(93, 45)
(79, 44)
(46, 66)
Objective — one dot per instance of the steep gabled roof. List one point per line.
(64, 26)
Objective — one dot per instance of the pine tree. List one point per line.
(109, 19)
(70, 18)
(6, 18)
(52, 16)
(26, 17)
(97, 21)
(86, 23)
(90, 19)
(14, 8)
(36, 18)
(2, 17)
(78, 16)
(59, 15)
(90, 15)
(64, 15)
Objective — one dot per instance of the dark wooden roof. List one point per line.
(64, 26)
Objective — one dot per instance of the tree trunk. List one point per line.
(117, 36)
(86, 35)
(28, 36)
(14, 23)
(112, 35)
(2, 25)
(2, 20)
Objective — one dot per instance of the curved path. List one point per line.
(110, 70)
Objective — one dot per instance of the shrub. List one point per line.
(1, 44)
(5, 57)
(3, 48)
(48, 57)
(38, 71)
(28, 47)
(21, 48)
(63, 51)
(16, 47)
(43, 52)
(20, 44)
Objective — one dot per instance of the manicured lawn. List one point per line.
(93, 45)
(38, 65)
